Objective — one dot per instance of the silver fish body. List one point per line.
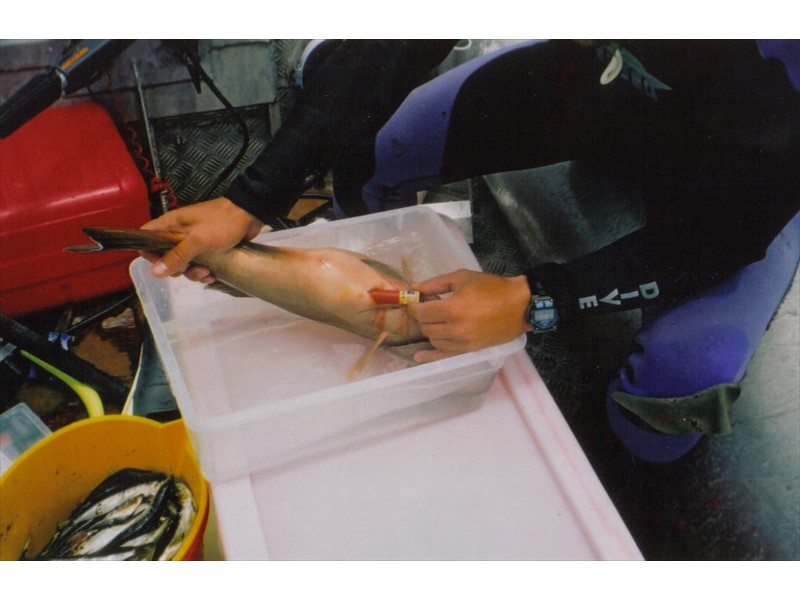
(132, 515)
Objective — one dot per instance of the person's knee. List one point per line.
(686, 361)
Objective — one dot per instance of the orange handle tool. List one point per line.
(395, 296)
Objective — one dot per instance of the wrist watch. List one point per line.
(541, 313)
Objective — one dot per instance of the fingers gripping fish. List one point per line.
(328, 285)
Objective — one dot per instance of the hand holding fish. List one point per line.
(213, 226)
(483, 310)
(328, 285)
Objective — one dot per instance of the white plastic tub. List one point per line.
(259, 387)
(507, 481)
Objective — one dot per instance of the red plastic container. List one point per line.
(66, 169)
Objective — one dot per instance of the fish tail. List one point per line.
(126, 239)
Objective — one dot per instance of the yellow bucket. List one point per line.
(44, 485)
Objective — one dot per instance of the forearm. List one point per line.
(617, 277)
(348, 100)
(661, 265)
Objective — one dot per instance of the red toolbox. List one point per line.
(66, 169)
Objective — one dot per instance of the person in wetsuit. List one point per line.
(707, 131)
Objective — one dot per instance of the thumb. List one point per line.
(176, 260)
(441, 284)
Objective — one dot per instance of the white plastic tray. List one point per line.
(258, 387)
(507, 481)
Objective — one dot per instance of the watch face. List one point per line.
(542, 315)
(545, 314)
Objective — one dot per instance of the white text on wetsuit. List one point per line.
(647, 291)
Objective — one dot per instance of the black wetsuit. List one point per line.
(707, 131)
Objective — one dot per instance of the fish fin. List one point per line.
(218, 286)
(262, 248)
(361, 363)
(126, 239)
(409, 276)
(386, 270)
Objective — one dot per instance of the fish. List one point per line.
(133, 514)
(333, 286)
